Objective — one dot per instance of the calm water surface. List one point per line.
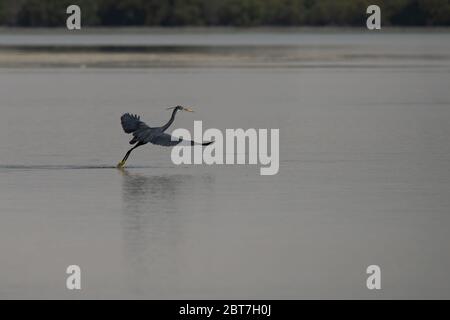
(364, 179)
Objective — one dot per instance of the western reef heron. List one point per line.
(143, 134)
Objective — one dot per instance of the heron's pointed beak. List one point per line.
(170, 108)
(188, 109)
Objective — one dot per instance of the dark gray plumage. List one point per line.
(143, 134)
(130, 122)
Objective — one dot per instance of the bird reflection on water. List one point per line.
(157, 212)
(140, 191)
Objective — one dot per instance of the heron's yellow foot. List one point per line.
(121, 164)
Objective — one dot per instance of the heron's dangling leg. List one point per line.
(121, 164)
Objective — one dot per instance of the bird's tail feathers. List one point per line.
(193, 143)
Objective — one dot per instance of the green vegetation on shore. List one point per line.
(52, 13)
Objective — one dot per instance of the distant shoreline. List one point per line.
(220, 29)
(224, 47)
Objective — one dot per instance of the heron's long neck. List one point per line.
(172, 118)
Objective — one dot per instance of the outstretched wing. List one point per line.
(142, 133)
(132, 123)
(165, 140)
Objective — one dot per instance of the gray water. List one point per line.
(364, 179)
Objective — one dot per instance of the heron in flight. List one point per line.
(143, 134)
